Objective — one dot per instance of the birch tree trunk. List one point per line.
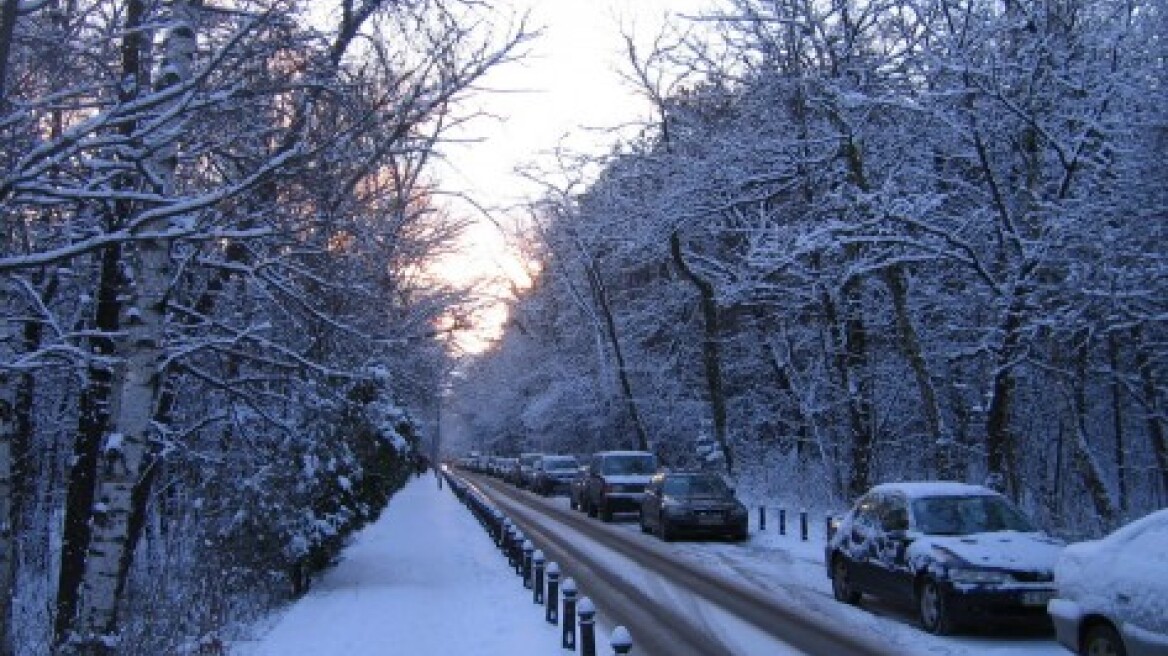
(137, 381)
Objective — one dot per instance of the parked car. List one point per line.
(526, 472)
(692, 503)
(578, 489)
(957, 552)
(1113, 593)
(554, 474)
(616, 482)
(504, 466)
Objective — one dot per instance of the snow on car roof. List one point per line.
(917, 489)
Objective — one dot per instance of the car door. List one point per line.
(890, 572)
(860, 543)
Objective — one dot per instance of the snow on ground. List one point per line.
(424, 579)
(427, 579)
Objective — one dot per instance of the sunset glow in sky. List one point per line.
(566, 92)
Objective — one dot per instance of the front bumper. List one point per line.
(622, 501)
(1016, 606)
(713, 524)
(1066, 616)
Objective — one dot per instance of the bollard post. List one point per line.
(553, 591)
(803, 525)
(504, 533)
(509, 545)
(569, 633)
(528, 548)
(762, 518)
(621, 641)
(587, 613)
(782, 521)
(517, 551)
(827, 528)
(537, 560)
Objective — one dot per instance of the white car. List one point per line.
(1113, 593)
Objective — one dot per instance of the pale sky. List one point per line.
(566, 92)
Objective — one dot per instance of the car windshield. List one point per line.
(695, 486)
(631, 464)
(560, 463)
(965, 515)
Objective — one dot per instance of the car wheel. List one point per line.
(841, 582)
(644, 526)
(666, 531)
(935, 615)
(572, 502)
(591, 508)
(1103, 640)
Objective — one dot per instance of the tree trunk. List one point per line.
(1000, 470)
(7, 519)
(940, 443)
(9, 11)
(123, 462)
(711, 349)
(93, 422)
(1082, 455)
(850, 359)
(601, 294)
(1117, 421)
(1152, 409)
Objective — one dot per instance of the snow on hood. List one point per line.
(1031, 552)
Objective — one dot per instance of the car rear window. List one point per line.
(695, 486)
(630, 464)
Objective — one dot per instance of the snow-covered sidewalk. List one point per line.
(424, 579)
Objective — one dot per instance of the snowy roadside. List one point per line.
(424, 579)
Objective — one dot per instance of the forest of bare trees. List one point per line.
(868, 240)
(218, 349)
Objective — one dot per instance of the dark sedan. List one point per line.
(960, 553)
(692, 503)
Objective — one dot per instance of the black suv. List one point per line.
(692, 503)
(616, 482)
(957, 552)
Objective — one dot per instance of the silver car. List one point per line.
(1113, 593)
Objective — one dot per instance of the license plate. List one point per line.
(1037, 597)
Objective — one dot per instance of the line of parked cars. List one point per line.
(960, 555)
(671, 504)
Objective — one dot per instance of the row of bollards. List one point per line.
(804, 525)
(543, 578)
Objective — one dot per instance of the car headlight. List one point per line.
(983, 576)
